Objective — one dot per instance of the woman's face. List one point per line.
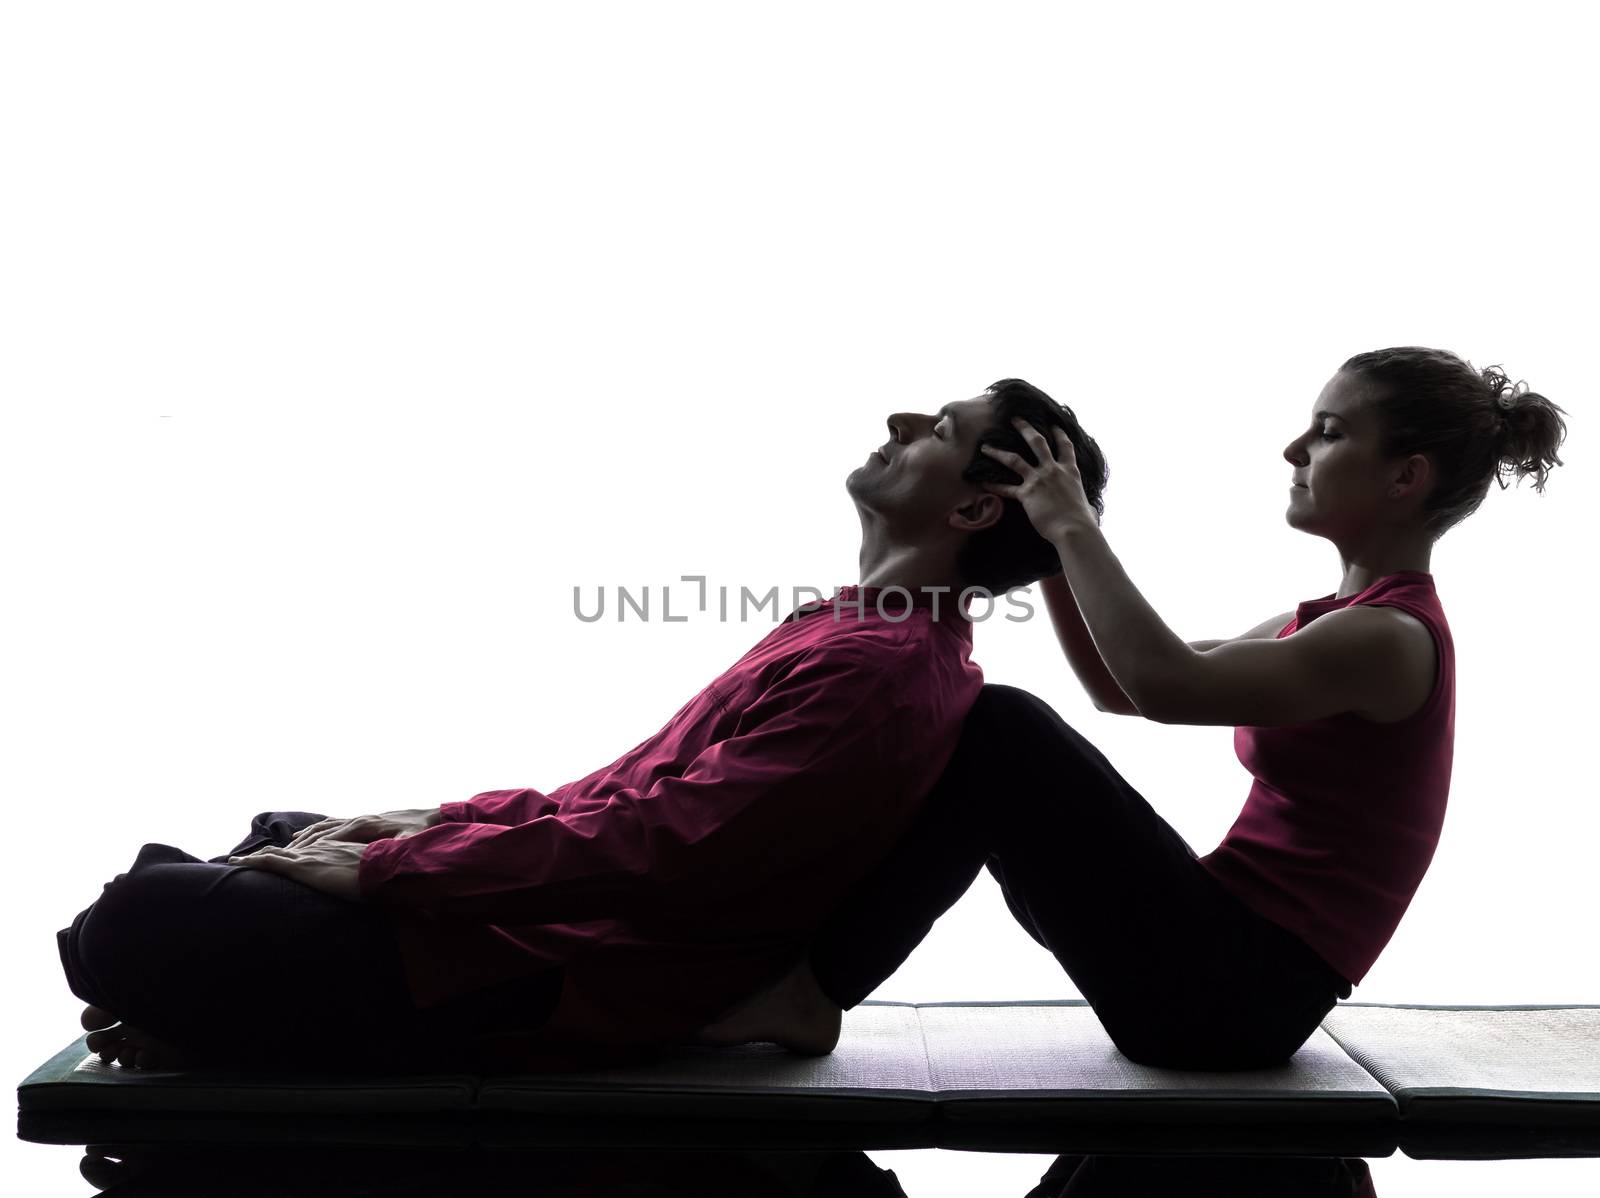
(1340, 479)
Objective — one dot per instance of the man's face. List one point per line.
(914, 478)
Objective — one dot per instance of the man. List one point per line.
(667, 896)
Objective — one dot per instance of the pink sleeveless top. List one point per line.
(1344, 813)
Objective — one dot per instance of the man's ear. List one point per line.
(983, 510)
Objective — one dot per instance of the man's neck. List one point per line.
(908, 566)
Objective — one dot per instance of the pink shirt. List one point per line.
(696, 867)
(1344, 814)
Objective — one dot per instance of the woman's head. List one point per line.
(1416, 435)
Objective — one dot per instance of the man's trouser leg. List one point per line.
(252, 967)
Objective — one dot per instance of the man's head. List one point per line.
(925, 485)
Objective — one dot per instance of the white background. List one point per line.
(341, 341)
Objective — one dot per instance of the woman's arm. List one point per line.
(1355, 659)
(1266, 630)
(1351, 660)
(1078, 645)
(1090, 667)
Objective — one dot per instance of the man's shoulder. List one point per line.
(848, 633)
(909, 656)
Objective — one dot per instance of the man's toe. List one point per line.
(94, 1017)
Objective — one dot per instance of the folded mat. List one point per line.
(1039, 1075)
(1482, 1081)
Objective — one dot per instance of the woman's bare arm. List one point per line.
(1090, 667)
(1262, 631)
(1078, 645)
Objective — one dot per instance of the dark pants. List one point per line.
(1180, 972)
(255, 968)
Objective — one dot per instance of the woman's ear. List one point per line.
(983, 510)
(1414, 475)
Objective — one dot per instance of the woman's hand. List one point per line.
(331, 866)
(1052, 492)
(364, 829)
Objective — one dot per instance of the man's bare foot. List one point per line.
(127, 1045)
(794, 1014)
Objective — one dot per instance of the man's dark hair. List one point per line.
(1011, 553)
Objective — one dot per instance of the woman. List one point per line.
(1344, 714)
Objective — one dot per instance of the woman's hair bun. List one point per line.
(1504, 389)
(1531, 429)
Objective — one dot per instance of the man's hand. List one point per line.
(364, 829)
(330, 866)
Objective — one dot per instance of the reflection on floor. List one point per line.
(258, 1171)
